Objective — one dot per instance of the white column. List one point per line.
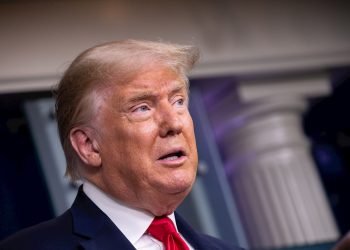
(273, 176)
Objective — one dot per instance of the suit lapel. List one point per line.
(189, 233)
(200, 241)
(106, 239)
(94, 228)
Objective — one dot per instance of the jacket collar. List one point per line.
(197, 240)
(189, 233)
(94, 228)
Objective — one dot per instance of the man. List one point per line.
(123, 119)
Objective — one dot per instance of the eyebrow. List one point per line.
(178, 88)
(141, 96)
(150, 95)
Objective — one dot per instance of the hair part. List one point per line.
(114, 62)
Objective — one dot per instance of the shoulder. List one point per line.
(215, 243)
(52, 234)
(218, 244)
(201, 241)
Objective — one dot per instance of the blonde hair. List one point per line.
(109, 63)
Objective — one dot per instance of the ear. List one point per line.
(85, 146)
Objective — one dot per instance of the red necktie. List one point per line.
(163, 229)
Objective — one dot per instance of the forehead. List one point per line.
(152, 80)
(157, 80)
(154, 75)
(147, 84)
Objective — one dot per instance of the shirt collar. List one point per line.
(132, 222)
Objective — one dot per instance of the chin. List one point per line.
(180, 182)
(169, 198)
(179, 188)
(168, 204)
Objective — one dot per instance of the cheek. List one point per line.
(141, 140)
(125, 141)
(147, 129)
(136, 143)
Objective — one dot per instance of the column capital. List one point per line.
(306, 85)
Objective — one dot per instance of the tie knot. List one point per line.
(161, 227)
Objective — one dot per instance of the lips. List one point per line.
(172, 155)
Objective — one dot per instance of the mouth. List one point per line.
(173, 158)
(172, 155)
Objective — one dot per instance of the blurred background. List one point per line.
(269, 99)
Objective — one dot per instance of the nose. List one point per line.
(170, 121)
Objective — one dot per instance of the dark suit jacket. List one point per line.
(85, 226)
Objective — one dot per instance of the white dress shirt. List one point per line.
(131, 222)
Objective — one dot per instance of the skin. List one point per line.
(125, 147)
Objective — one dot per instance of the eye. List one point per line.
(141, 108)
(180, 101)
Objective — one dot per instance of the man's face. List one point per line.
(146, 141)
